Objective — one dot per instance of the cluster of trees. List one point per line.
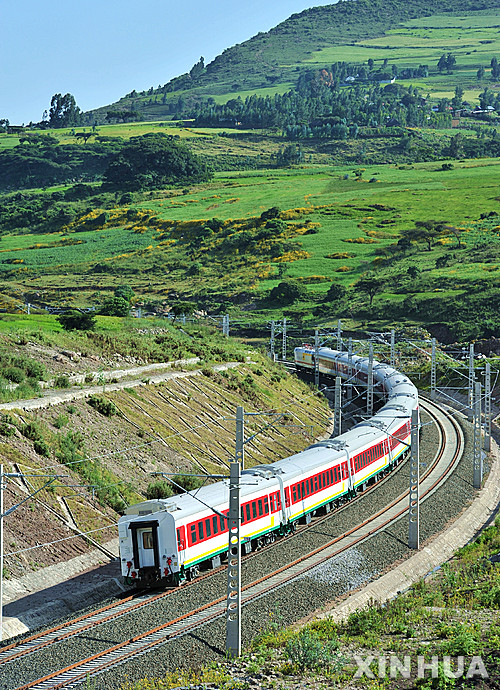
(155, 160)
(142, 162)
(39, 160)
(63, 112)
(319, 107)
(447, 62)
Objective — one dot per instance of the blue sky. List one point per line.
(98, 50)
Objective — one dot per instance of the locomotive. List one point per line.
(167, 541)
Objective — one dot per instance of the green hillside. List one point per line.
(353, 31)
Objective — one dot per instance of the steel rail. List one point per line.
(119, 654)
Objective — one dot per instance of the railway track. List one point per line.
(450, 447)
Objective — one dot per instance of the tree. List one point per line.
(115, 306)
(287, 291)
(64, 112)
(335, 293)
(74, 320)
(441, 65)
(480, 73)
(155, 160)
(124, 291)
(182, 309)
(426, 231)
(370, 286)
(495, 68)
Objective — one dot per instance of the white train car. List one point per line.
(169, 540)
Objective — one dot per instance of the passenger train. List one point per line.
(169, 540)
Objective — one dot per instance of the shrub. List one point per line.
(31, 431)
(159, 489)
(308, 652)
(41, 447)
(60, 421)
(14, 374)
(102, 405)
(61, 381)
(34, 369)
(7, 429)
(187, 482)
(74, 320)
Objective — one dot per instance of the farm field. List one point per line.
(351, 216)
(66, 135)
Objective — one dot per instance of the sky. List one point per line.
(99, 50)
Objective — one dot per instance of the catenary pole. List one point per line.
(414, 498)
(337, 415)
(1, 551)
(233, 611)
(283, 351)
(433, 369)
(316, 358)
(487, 408)
(369, 391)
(349, 368)
(478, 455)
(471, 381)
(393, 348)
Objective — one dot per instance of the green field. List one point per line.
(473, 40)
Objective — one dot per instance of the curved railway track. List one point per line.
(450, 449)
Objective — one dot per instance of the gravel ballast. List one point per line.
(287, 605)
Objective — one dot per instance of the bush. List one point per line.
(77, 321)
(61, 381)
(287, 291)
(308, 652)
(14, 374)
(41, 447)
(31, 431)
(115, 306)
(159, 489)
(187, 482)
(60, 421)
(34, 369)
(7, 429)
(102, 405)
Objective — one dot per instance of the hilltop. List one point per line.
(272, 61)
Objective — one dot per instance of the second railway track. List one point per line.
(72, 674)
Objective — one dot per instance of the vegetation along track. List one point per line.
(309, 541)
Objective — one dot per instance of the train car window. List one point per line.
(194, 536)
(266, 506)
(222, 523)
(208, 527)
(200, 530)
(261, 508)
(316, 483)
(307, 489)
(254, 509)
(147, 540)
(215, 524)
(247, 510)
(303, 487)
(242, 517)
(345, 473)
(294, 493)
(278, 501)
(333, 476)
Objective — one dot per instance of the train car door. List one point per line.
(145, 547)
(145, 543)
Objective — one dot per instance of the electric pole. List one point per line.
(414, 498)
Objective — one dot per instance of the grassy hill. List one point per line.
(353, 31)
(106, 445)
